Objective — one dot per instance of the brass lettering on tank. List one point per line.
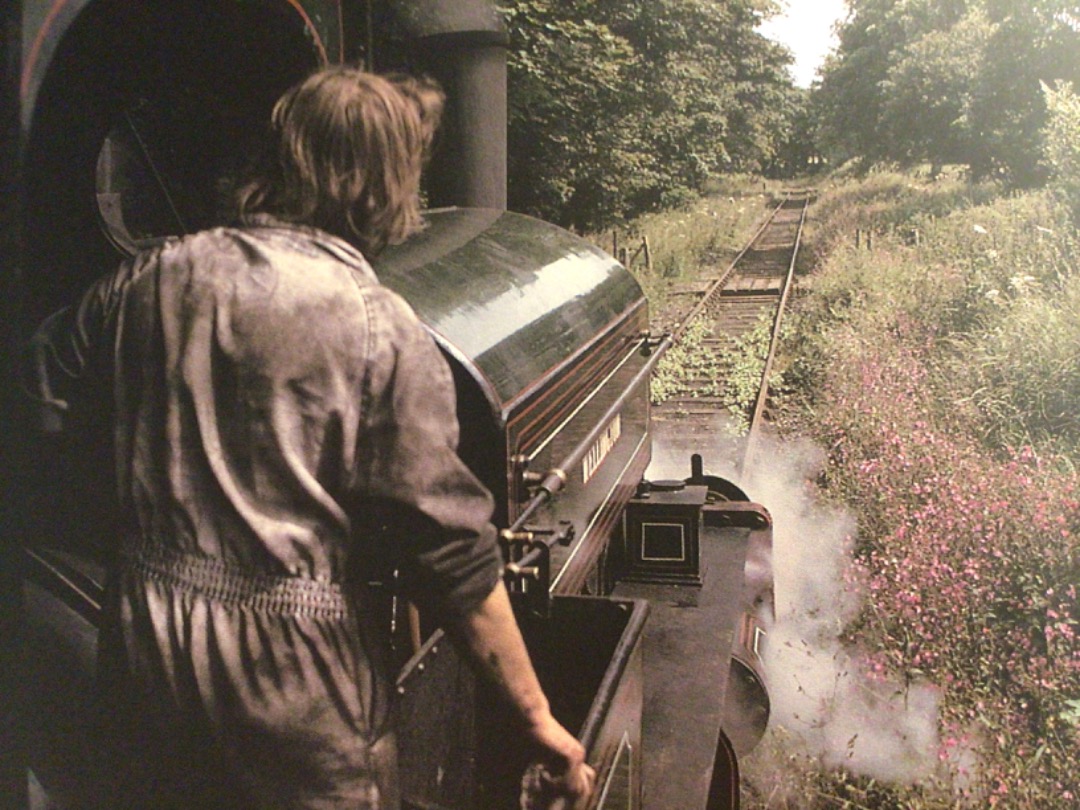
(600, 448)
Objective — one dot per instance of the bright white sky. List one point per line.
(805, 26)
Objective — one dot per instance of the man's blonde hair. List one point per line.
(350, 146)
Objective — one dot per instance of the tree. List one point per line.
(571, 93)
(622, 106)
(1034, 42)
(1061, 136)
(855, 88)
(766, 103)
(927, 94)
(956, 80)
(797, 149)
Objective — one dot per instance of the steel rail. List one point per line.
(717, 285)
(754, 431)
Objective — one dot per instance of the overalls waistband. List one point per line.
(220, 582)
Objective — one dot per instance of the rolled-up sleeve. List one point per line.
(409, 461)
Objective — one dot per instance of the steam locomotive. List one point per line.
(122, 123)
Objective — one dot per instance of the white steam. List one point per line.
(826, 705)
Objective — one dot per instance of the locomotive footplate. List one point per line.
(687, 653)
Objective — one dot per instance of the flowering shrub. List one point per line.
(973, 567)
(969, 541)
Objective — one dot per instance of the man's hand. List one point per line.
(565, 774)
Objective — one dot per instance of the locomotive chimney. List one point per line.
(463, 43)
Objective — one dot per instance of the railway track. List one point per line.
(730, 331)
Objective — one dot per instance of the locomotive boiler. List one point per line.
(123, 123)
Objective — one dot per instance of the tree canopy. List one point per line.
(948, 81)
(621, 106)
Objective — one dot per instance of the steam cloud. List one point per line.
(826, 705)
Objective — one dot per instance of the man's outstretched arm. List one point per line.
(491, 635)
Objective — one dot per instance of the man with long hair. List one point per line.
(284, 432)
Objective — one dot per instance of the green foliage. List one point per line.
(622, 108)
(1016, 351)
(689, 361)
(1025, 380)
(797, 149)
(1061, 137)
(692, 368)
(928, 91)
(851, 100)
(946, 82)
(1034, 41)
(746, 363)
(567, 152)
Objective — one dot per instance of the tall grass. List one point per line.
(693, 240)
(942, 377)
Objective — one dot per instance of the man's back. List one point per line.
(242, 366)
